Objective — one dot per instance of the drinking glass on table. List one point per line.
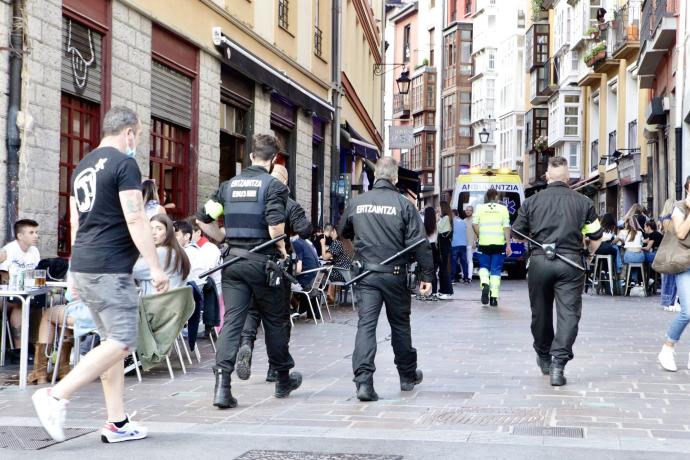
(39, 278)
(29, 278)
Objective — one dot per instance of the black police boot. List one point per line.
(544, 363)
(271, 375)
(493, 302)
(287, 383)
(485, 294)
(557, 374)
(222, 396)
(407, 383)
(365, 392)
(243, 367)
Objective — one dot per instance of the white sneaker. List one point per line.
(51, 412)
(130, 432)
(667, 359)
(445, 296)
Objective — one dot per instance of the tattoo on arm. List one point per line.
(132, 207)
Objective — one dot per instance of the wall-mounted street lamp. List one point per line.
(484, 136)
(403, 81)
(616, 155)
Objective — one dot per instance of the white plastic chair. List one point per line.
(347, 276)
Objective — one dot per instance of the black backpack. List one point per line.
(55, 267)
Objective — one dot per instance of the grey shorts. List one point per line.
(114, 304)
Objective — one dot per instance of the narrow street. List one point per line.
(482, 396)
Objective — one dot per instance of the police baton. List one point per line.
(387, 261)
(235, 259)
(563, 258)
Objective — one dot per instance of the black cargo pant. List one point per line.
(242, 281)
(372, 292)
(251, 325)
(551, 280)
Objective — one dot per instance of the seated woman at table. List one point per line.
(610, 241)
(78, 317)
(171, 255)
(336, 253)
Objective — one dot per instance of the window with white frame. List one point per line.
(490, 88)
(492, 60)
(573, 155)
(571, 119)
(632, 134)
(574, 61)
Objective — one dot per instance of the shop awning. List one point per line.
(351, 139)
(246, 63)
(587, 186)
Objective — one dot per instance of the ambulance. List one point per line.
(470, 187)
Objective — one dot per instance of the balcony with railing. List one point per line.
(625, 30)
(401, 105)
(657, 36)
(600, 57)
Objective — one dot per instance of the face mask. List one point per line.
(131, 151)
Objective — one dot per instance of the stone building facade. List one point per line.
(134, 38)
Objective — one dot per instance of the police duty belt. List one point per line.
(550, 251)
(380, 267)
(244, 254)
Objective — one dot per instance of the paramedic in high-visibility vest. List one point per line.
(492, 226)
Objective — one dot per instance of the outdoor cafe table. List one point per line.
(25, 297)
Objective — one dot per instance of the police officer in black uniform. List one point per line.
(558, 218)
(295, 222)
(382, 222)
(253, 205)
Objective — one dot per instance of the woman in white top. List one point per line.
(149, 190)
(632, 243)
(172, 257)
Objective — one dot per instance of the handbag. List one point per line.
(673, 255)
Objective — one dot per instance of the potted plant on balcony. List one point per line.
(596, 54)
(593, 33)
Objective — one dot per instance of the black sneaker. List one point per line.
(285, 386)
(243, 367)
(493, 302)
(485, 294)
(557, 374)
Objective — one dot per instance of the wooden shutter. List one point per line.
(81, 60)
(171, 95)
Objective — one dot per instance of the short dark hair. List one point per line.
(21, 224)
(491, 195)
(192, 221)
(118, 119)
(265, 146)
(557, 162)
(183, 226)
(651, 224)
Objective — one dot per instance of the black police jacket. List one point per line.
(296, 220)
(558, 215)
(381, 223)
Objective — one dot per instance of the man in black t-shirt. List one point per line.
(109, 231)
(652, 240)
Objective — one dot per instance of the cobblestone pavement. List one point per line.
(482, 396)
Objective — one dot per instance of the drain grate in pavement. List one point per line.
(551, 431)
(33, 437)
(297, 455)
(500, 416)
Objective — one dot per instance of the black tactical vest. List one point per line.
(245, 207)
